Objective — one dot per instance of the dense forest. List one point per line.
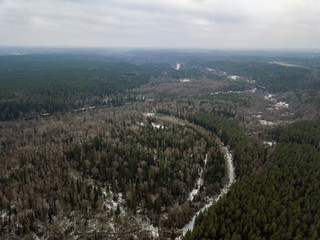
(248, 154)
(50, 167)
(35, 84)
(219, 119)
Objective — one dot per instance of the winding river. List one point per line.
(224, 190)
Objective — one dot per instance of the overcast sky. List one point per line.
(212, 24)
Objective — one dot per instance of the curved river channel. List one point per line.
(224, 190)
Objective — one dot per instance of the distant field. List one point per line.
(287, 64)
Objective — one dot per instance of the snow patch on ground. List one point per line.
(251, 81)
(93, 225)
(199, 182)
(153, 230)
(111, 225)
(281, 105)
(112, 202)
(218, 72)
(206, 159)
(270, 144)
(276, 105)
(253, 90)
(185, 80)
(269, 96)
(158, 126)
(233, 77)
(3, 215)
(267, 123)
(146, 226)
(150, 114)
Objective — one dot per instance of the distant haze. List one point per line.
(213, 24)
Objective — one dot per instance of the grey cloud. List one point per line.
(161, 23)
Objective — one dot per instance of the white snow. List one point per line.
(150, 114)
(269, 143)
(251, 81)
(92, 225)
(185, 80)
(146, 226)
(253, 90)
(218, 72)
(199, 182)
(269, 96)
(206, 159)
(267, 123)
(153, 230)
(158, 126)
(3, 214)
(281, 105)
(233, 77)
(110, 203)
(195, 191)
(111, 225)
(278, 105)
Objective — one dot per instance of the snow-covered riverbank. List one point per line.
(231, 179)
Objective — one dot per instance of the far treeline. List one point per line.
(275, 78)
(35, 84)
(280, 201)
